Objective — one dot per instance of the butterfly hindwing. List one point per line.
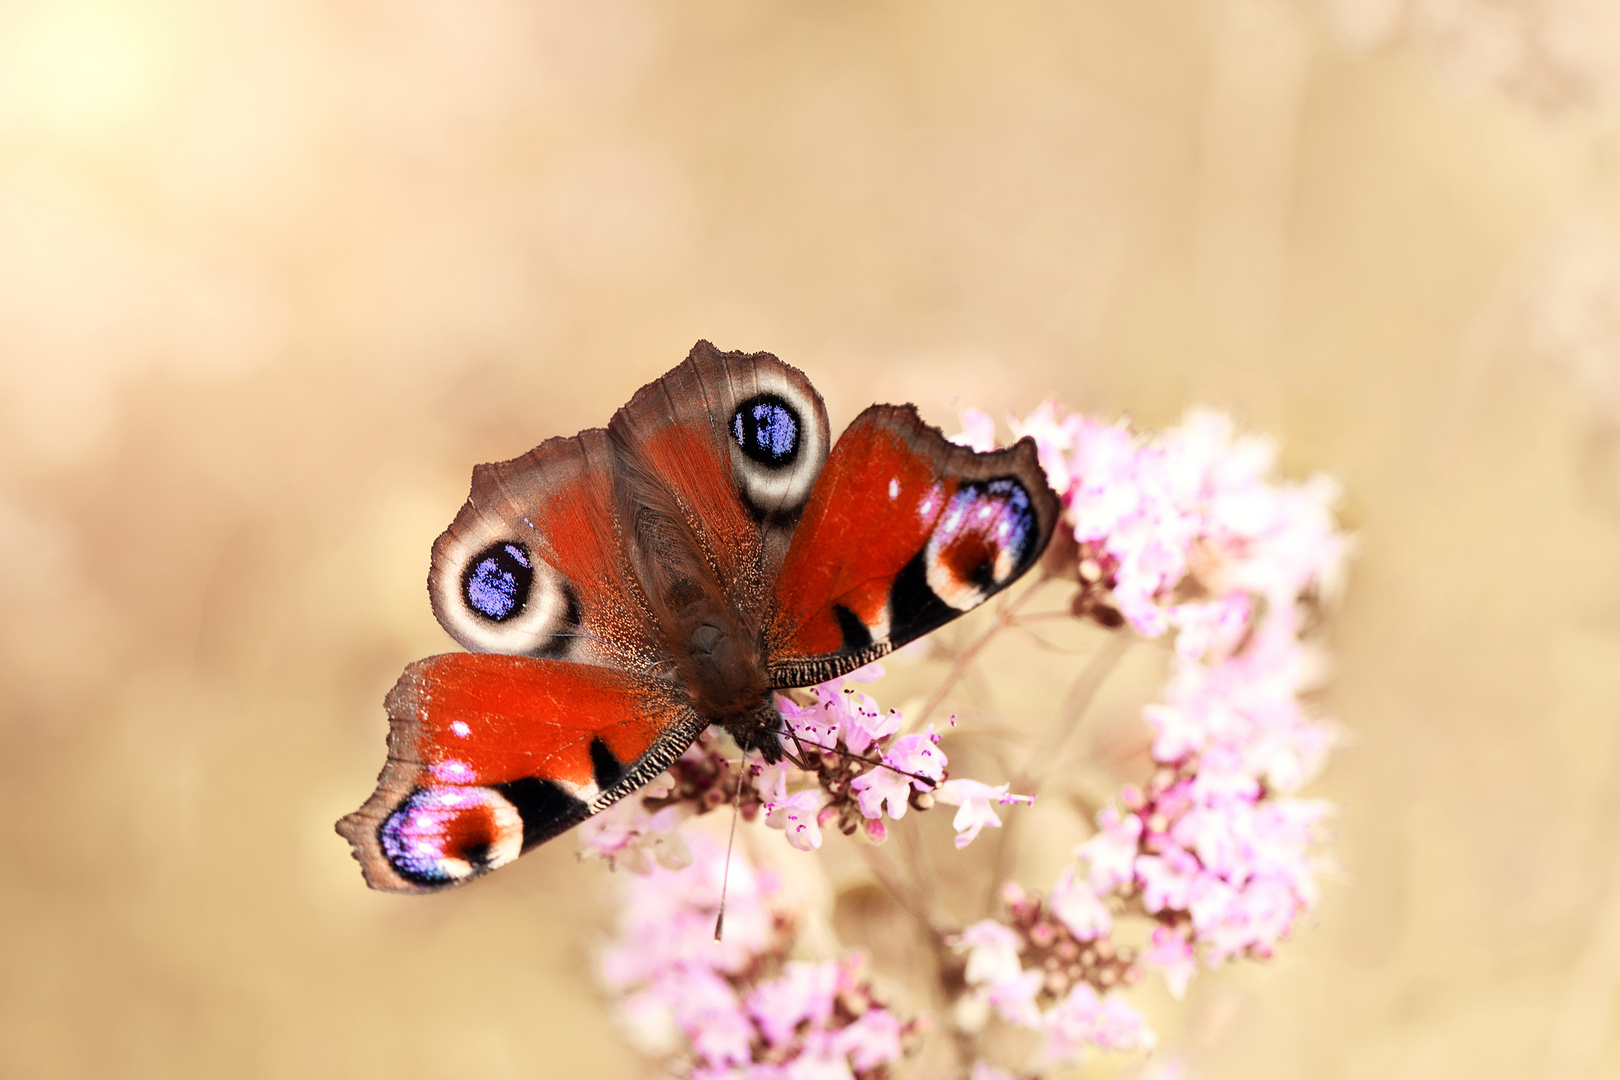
(489, 755)
(904, 531)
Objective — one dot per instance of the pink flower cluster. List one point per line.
(863, 767)
(644, 829)
(1188, 532)
(1184, 535)
(849, 766)
(738, 1007)
(1184, 530)
(1051, 967)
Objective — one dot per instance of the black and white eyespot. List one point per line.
(766, 429)
(778, 443)
(492, 594)
(496, 582)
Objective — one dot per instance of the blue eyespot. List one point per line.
(497, 582)
(767, 430)
(448, 833)
(1015, 524)
(1000, 518)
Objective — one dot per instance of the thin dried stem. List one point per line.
(1045, 750)
(1004, 618)
(911, 843)
(884, 872)
(1076, 702)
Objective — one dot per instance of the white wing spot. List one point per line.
(894, 488)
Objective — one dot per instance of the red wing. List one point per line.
(724, 451)
(905, 531)
(573, 550)
(490, 755)
(534, 564)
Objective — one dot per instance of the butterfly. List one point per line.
(622, 589)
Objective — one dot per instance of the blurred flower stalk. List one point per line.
(1183, 536)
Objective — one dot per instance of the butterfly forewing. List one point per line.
(737, 441)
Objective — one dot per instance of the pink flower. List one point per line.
(666, 920)
(787, 1028)
(974, 800)
(804, 992)
(796, 817)
(920, 755)
(911, 755)
(879, 787)
(871, 1040)
(1211, 627)
(1079, 909)
(707, 1010)
(863, 723)
(813, 725)
(1248, 920)
(1167, 879)
(992, 952)
(978, 431)
(1120, 1027)
(1014, 998)
(1083, 1018)
(839, 713)
(1111, 854)
(819, 1061)
(1102, 492)
(795, 814)
(994, 969)
(627, 834)
(1169, 949)
(1054, 437)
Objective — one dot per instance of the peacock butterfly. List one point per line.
(624, 588)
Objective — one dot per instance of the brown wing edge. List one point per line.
(400, 776)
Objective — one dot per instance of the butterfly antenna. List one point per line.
(850, 754)
(725, 874)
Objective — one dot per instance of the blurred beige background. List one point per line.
(274, 275)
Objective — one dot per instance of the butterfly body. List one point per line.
(624, 588)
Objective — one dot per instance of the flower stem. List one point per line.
(911, 843)
(903, 896)
(1004, 618)
(1076, 701)
(1048, 744)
